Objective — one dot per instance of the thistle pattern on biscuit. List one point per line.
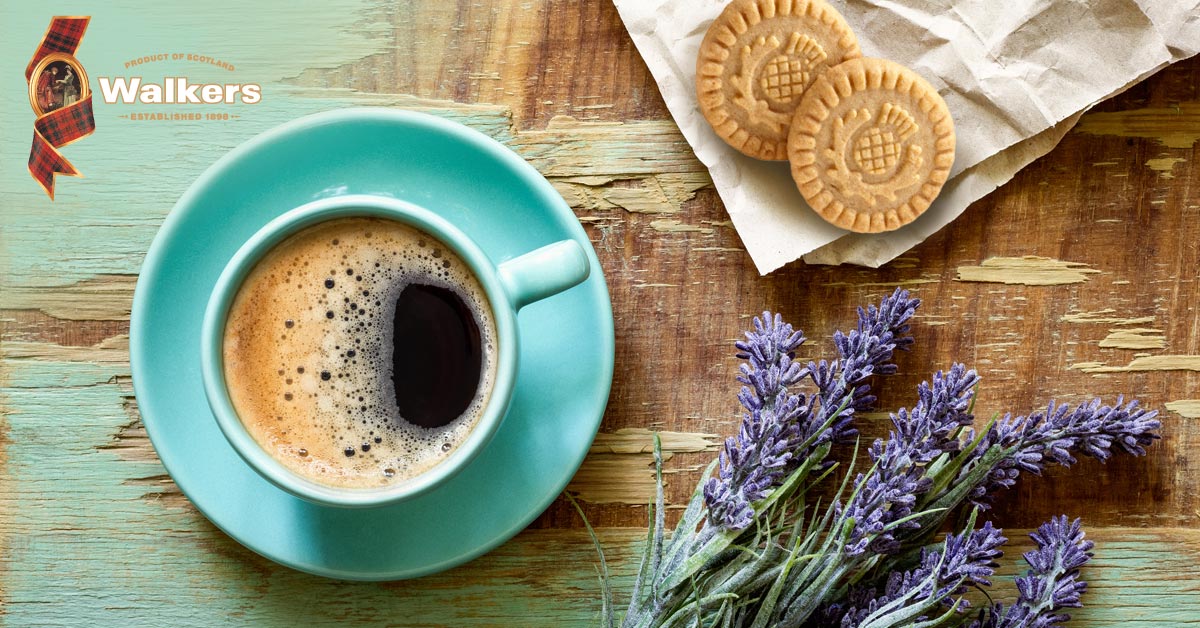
(860, 150)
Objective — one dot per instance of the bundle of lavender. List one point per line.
(754, 548)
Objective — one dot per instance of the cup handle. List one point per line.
(543, 272)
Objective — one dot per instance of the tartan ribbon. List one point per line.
(61, 126)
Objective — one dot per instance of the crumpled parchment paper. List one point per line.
(1016, 75)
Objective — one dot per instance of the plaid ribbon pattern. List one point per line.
(61, 126)
(55, 129)
(62, 36)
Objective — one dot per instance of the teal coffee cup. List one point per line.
(508, 286)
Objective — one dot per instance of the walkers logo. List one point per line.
(61, 95)
(61, 98)
(176, 91)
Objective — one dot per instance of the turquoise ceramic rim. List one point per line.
(243, 261)
(170, 231)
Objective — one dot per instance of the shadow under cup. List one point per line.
(508, 287)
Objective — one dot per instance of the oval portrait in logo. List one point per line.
(58, 81)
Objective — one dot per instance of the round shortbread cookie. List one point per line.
(871, 145)
(756, 61)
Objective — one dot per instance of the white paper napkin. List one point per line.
(1016, 76)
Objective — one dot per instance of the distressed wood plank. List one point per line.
(1187, 408)
(1174, 127)
(1030, 270)
(101, 298)
(1109, 219)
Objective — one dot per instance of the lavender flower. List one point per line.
(971, 557)
(1056, 435)
(1052, 582)
(939, 580)
(780, 429)
(887, 494)
(864, 352)
(803, 562)
(755, 460)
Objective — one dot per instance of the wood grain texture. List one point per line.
(1076, 279)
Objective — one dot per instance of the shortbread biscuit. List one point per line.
(871, 145)
(756, 61)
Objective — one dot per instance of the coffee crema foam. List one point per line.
(308, 351)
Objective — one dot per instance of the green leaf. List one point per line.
(952, 617)
(686, 528)
(722, 539)
(767, 608)
(719, 542)
(943, 476)
(725, 612)
(606, 605)
(635, 598)
(955, 495)
(916, 515)
(899, 613)
(659, 518)
(816, 593)
(820, 531)
(686, 612)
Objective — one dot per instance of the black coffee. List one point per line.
(438, 357)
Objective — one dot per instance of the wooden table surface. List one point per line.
(1076, 279)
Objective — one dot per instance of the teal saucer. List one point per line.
(487, 191)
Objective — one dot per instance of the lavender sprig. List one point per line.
(781, 428)
(883, 499)
(865, 351)
(1091, 429)
(771, 433)
(784, 436)
(887, 494)
(941, 578)
(750, 550)
(1052, 582)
